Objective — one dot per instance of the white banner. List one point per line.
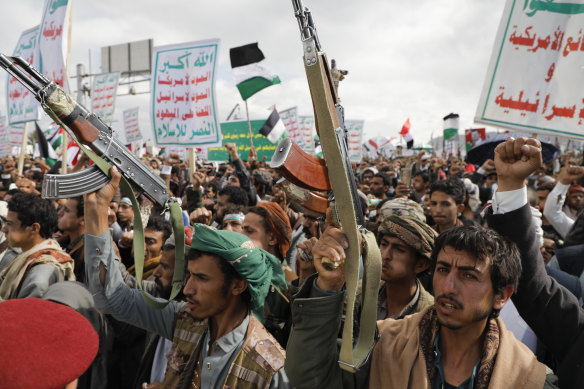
(131, 125)
(290, 119)
(52, 39)
(183, 94)
(4, 138)
(535, 71)
(22, 106)
(354, 139)
(306, 129)
(15, 134)
(103, 95)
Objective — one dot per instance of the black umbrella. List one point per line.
(486, 150)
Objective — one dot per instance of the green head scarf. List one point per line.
(258, 267)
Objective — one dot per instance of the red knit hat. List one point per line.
(44, 345)
(575, 188)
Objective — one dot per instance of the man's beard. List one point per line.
(478, 315)
(307, 232)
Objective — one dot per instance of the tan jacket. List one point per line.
(398, 361)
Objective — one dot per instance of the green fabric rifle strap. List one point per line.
(350, 358)
(138, 240)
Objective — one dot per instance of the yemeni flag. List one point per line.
(249, 74)
(450, 127)
(407, 135)
(274, 128)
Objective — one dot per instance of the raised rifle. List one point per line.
(347, 212)
(89, 130)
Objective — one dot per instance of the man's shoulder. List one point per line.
(260, 343)
(391, 327)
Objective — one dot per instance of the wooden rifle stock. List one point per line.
(299, 167)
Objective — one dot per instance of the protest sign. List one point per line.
(238, 133)
(22, 106)
(131, 125)
(103, 95)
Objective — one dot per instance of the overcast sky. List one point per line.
(417, 59)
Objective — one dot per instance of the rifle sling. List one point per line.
(350, 358)
(138, 241)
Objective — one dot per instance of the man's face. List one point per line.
(25, 185)
(219, 206)
(443, 209)
(541, 198)
(490, 180)
(68, 219)
(233, 180)
(153, 242)
(377, 187)
(400, 262)
(209, 192)
(16, 234)
(309, 227)
(253, 228)
(163, 273)
(418, 184)
(233, 225)
(463, 289)
(205, 290)
(367, 177)
(576, 200)
(125, 214)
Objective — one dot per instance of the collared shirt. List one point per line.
(440, 382)
(214, 368)
(407, 310)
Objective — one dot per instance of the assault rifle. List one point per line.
(89, 130)
(347, 212)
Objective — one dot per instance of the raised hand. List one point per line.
(515, 160)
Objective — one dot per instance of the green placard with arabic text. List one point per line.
(237, 132)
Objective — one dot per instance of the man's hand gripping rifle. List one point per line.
(346, 208)
(89, 130)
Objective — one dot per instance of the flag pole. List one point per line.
(249, 126)
(22, 149)
(67, 65)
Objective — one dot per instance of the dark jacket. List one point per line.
(548, 308)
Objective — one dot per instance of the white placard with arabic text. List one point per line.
(354, 139)
(22, 106)
(131, 125)
(103, 95)
(183, 94)
(51, 41)
(306, 130)
(290, 119)
(535, 73)
(4, 139)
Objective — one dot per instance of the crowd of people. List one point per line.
(482, 278)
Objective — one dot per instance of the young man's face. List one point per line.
(418, 184)
(16, 234)
(222, 201)
(377, 187)
(163, 273)
(233, 225)
(541, 198)
(68, 219)
(444, 210)
(576, 200)
(367, 177)
(125, 213)
(205, 290)
(153, 242)
(463, 290)
(253, 228)
(399, 261)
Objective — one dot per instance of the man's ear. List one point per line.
(238, 286)
(502, 297)
(422, 264)
(272, 241)
(36, 228)
(459, 209)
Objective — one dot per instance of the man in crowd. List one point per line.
(447, 204)
(214, 334)
(30, 223)
(229, 195)
(420, 184)
(548, 308)
(457, 342)
(72, 224)
(379, 185)
(156, 232)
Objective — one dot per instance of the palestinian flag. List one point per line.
(407, 135)
(273, 128)
(43, 148)
(249, 75)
